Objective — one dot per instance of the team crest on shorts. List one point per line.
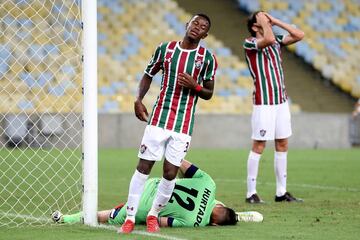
(143, 148)
(262, 132)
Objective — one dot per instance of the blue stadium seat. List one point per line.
(25, 105)
(57, 91)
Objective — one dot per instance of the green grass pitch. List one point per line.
(327, 180)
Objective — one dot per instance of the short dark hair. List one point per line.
(229, 217)
(203, 15)
(250, 23)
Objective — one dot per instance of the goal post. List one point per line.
(48, 110)
(90, 137)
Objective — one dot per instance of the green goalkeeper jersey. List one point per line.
(190, 205)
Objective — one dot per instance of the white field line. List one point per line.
(27, 217)
(302, 185)
(144, 233)
(108, 227)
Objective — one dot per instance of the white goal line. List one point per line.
(102, 226)
(144, 233)
(27, 217)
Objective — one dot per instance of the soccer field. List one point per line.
(327, 180)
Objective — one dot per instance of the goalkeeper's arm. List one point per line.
(189, 170)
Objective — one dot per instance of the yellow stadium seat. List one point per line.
(319, 62)
(282, 5)
(341, 21)
(324, 6)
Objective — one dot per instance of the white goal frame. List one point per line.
(90, 113)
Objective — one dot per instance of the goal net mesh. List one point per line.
(40, 110)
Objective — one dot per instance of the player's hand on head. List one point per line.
(271, 19)
(141, 111)
(186, 80)
(261, 18)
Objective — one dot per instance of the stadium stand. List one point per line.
(129, 31)
(128, 36)
(39, 60)
(332, 35)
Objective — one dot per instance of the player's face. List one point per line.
(197, 28)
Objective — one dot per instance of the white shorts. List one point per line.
(271, 122)
(157, 141)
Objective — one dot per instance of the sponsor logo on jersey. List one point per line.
(143, 148)
(262, 132)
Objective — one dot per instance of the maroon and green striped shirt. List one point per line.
(265, 67)
(175, 106)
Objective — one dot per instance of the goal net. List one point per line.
(41, 110)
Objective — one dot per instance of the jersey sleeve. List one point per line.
(211, 68)
(250, 44)
(280, 39)
(194, 172)
(155, 63)
(117, 215)
(172, 222)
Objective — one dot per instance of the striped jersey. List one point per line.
(175, 106)
(265, 67)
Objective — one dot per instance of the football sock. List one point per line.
(252, 172)
(280, 166)
(162, 197)
(73, 218)
(136, 188)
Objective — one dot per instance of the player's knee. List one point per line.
(145, 166)
(281, 145)
(258, 146)
(169, 174)
(169, 170)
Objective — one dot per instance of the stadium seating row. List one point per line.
(332, 30)
(40, 60)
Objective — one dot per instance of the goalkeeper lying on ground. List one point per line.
(192, 204)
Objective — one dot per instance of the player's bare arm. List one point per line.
(139, 108)
(267, 37)
(103, 216)
(205, 92)
(295, 34)
(185, 164)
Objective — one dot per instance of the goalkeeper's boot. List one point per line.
(152, 224)
(57, 217)
(287, 197)
(127, 227)
(251, 216)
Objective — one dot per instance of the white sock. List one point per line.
(136, 189)
(280, 167)
(162, 197)
(252, 172)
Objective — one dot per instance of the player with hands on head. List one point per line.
(271, 118)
